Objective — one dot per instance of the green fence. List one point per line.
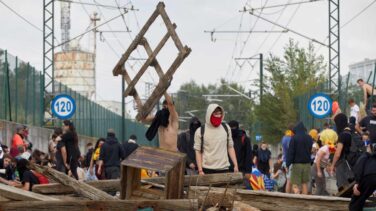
(21, 100)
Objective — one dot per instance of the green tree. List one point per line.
(190, 97)
(299, 71)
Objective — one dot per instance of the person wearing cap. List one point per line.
(111, 154)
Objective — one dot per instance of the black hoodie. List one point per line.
(186, 141)
(243, 150)
(111, 152)
(365, 166)
(300, 147)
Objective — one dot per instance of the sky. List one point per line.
(210, 60)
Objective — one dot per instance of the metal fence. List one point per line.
(21, 100)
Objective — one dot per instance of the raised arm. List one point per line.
(171, 107)
(365, 95)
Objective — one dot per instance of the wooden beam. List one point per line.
(134, 92)
(114, 185)
(80, 187)
(147, 63)
(162, 86)
(13, 193)
(170, 27)
(118, 68)
(270, 200)
(240, 206)
(121, 205)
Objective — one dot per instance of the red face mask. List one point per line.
(216, 121)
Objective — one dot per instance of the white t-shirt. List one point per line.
(354, 111)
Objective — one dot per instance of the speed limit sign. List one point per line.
(320, 105)
(63, 106)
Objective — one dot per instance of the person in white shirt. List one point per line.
(354, 110)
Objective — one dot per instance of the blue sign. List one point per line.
(63, 106)
(258, 138)
(320, 105)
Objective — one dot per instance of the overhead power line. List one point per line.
(20, 16)
(278, 5)
(91, 29)
(255, 31)
(358, 14)
(96, 4)
(293, 31)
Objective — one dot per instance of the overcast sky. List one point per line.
(209, 61)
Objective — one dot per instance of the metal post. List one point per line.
(334, 48)
(8, 86)
(261, 76)
(33, 92)
(347, 88)
(373, 87)
(16, 91)
(27, 92)
(41, 95)
(122, 110)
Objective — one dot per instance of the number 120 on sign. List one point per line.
(320, 105)
(63, 106)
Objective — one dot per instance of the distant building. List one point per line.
(362, 70)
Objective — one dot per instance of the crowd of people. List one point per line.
(345, 149)
(101, 161)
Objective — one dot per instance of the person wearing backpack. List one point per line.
(213, 142)
(365, 178)
(340, 164)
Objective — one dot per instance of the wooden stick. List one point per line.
(80, 187)
(121, 205)
(13, 193)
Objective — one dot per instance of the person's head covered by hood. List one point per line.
(341, 122)
(214, 115)
(299, 129)
(194, 124)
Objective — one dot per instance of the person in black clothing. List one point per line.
(27, 177)
(88, 155)
(254, 154)
(110, 156)
(264, 159)
(186, 142)
(368, 123)
(340, 164)
(130, 146)
(69, 148)
(243, 148)
(365, 178)
(299, 154)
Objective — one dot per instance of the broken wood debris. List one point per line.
(121, 205)
(114, 185)
(16, 194)
(80, 187)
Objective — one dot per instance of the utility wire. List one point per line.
(280, 5)
(358, 14)
(20, 16)
(93, 4)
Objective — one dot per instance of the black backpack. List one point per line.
(357, 148)
(203, 132)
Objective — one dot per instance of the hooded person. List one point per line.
(186, 142)
(243, 148)
(340, 165)
(110, 156)
(299, 154)
(213, 141)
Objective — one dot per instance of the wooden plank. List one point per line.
(135, 94)
(114, 185)
(121, 205)
(145, 66)
(347, 191)
(123, 181)
(240, 206)
(163, 85)
(170, 27)
(133, 179)
(149, 51)
(270, 200)
(13, 193)
(80, 187)
(118, 68)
